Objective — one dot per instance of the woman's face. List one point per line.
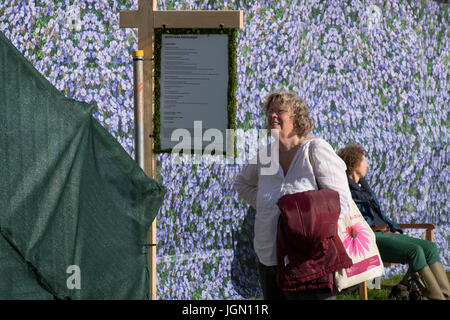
(280, 118)
(361, 169)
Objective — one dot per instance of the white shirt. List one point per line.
(263, 191)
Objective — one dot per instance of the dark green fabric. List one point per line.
(400, 248)
(17, 281)
(69, 195)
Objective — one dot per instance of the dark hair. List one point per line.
(352, 156)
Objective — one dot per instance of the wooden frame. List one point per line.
(146, 19)
(232, 77)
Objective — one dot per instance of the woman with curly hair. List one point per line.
(422, 256)
(288, 115)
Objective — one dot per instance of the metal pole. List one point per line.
(139, 155)
(138, 72)
(138, 69)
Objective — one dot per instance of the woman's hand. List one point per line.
(384, 228)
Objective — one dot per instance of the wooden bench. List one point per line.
(429, 227)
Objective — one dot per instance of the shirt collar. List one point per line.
(353, 184)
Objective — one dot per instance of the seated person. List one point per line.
(422, 256)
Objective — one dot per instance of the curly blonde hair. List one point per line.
(352, 156)
(303, 123)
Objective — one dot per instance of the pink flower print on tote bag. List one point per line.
(360, 244)
(356, 240)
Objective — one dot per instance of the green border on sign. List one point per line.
(232, 77)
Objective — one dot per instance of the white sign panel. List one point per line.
(194, 83)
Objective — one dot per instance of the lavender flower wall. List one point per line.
(378, 80)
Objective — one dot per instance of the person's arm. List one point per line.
(393, 227)
(246, 184)
(329, 170)
(364, 208)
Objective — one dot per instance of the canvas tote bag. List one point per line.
(360, 244)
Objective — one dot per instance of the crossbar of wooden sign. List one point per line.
(146, 19)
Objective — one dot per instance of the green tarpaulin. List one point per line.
(70, 195)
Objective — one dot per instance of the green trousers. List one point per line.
(399, 248)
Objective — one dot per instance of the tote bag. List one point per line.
(360, 244)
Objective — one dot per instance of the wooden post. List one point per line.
(145, 19)
(363, 291)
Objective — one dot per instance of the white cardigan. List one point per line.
(263, 191)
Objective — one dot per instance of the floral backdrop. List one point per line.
(372, 72)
